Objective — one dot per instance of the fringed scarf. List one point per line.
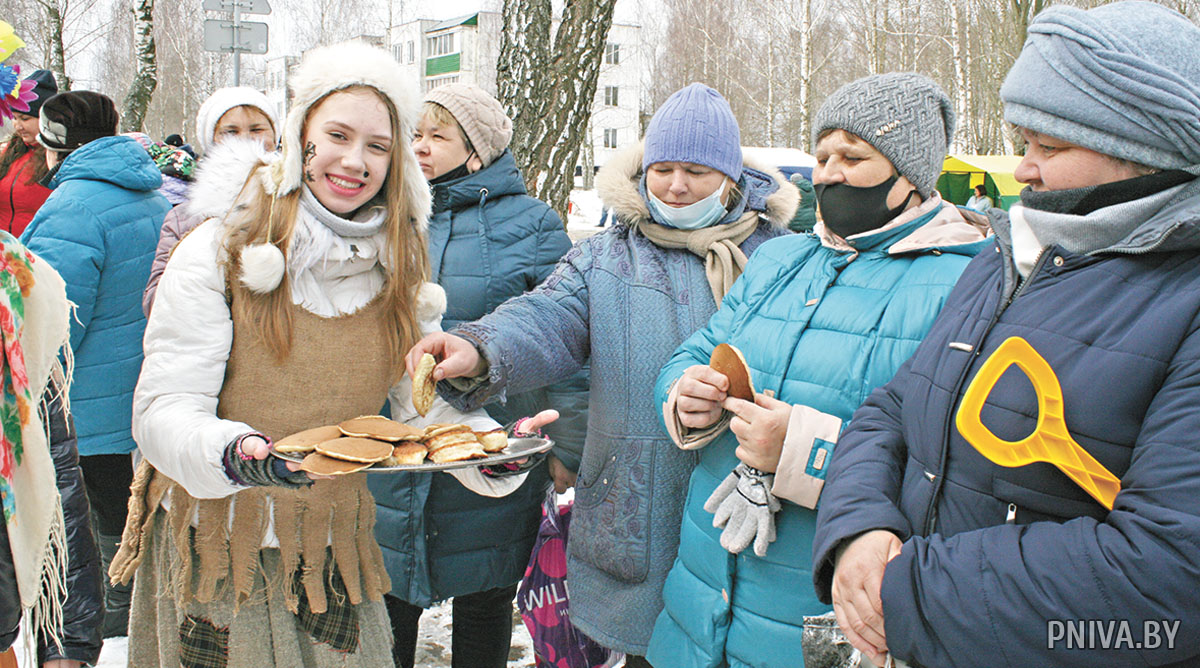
(34, 327)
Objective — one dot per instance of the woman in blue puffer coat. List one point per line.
(98, 229)
(624, 299)
(821, 320)
(488, 241)
(939, 556)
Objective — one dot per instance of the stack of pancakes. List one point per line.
(356, 444)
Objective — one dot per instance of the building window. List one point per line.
(612, 54)
(610, 96)
(430, 84)
(610, 138)
(411, 57)
(440, 45)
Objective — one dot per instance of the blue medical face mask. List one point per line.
(694, 216)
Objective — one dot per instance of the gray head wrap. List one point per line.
(904, 115)
(1122, 79)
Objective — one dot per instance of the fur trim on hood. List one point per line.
(617, 185)
(333, 68)
(222, 173)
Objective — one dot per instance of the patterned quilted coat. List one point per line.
(98, 229)
(626, 304)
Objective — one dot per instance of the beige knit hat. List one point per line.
(482, 118)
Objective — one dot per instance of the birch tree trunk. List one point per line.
(56, 50)
(804, 65)
(959, 50)
(547, 86)
(146, 78)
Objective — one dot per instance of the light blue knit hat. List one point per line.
(1121, 79)
(695, 125)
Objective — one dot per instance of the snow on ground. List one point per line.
(433, 649)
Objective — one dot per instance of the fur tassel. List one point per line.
(262, 268)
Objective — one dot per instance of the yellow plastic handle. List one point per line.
(1050, 441)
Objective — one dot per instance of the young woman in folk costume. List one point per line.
(289, 312)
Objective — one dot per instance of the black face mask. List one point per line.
(848, 210)
(456, 173)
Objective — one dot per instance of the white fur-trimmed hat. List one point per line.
(331, 68)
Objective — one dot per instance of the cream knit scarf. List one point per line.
(35, 326)
(717, 245)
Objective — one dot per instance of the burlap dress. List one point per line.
(207, 592)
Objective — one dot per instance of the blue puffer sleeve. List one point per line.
(862, 486)
(532, 340)
(1000, 596)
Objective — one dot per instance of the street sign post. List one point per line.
(235, 35)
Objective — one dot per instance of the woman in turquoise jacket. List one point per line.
(821, 321)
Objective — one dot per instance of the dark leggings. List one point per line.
(632, 661)
(481, 635)
(107, 479)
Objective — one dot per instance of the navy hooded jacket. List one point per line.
(998, 563)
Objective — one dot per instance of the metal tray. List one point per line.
(517, 448)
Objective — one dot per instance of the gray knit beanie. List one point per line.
(695, 125)
(482, 118)
(904, 115)
(1122, 79)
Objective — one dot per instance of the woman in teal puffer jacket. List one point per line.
(821, 320)
(488, 241)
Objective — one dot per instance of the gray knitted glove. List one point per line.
(744, 506)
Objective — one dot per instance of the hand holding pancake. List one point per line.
(458, 357)
(760, 428)
(701, 391)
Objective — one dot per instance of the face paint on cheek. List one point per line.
(310, 152)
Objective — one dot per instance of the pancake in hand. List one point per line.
(729, 360)
(307, 440)
(352, 449)
(424, 388)
(380, 428)
(318, 464)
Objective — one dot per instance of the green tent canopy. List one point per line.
(961, 173)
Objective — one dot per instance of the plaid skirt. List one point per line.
(262, 633)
